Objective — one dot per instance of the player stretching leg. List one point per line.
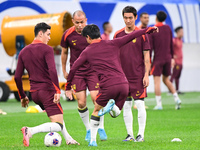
(163, 60)
(85, 77)
(38, 59)
(135, 61)
(104, 59)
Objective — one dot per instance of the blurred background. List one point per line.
(17, 20)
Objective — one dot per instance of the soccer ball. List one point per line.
(52, 139)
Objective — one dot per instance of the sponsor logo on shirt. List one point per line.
(97, 86)
(74, 86)
(134, 40)
(138, 93)
(73, 41)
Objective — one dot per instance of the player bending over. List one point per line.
(38, 59)
(85, 76)
(103, 55)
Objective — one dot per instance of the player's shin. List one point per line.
(94, 123)
(84, 114)
(115, 111)
(128, 116)
(47, 127)
(65, 133)
(158, 101)
(141, 116)
(101, 122)
(176, 97)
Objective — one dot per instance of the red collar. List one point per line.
(159, 24)
(136, 28)
(96, 41)
(36, 41)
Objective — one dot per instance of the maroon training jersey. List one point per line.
(162, 44)
(77, 43)
(178, 52)
(103, 55)
(38, 59)
(131, 55)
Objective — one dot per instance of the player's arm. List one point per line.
(77, 64)
(172, 50)
(18, 80)
(146, 54)
(126, 39)
(174, 45)
(49, 58)
(147, 67)
(64, 57)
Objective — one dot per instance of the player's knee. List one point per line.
(165, 79)
(81, 104)
(60, 124)
(127, 104)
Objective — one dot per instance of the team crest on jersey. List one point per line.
(134, 40)
(74, 86)
(97, 86)
(74, 42)
(138, 93)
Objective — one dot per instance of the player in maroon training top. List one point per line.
(135, 61)
(107, 28)
(178, 57)
(144, 19)
(163, 59)
(38, 59)
(85, 77)
(103, 55)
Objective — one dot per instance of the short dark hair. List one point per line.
(144, 13)
(42, 26)
(78, 13)
(129, 9)
(91, 30)
(105, 24)
(161, 16)
(178, 28)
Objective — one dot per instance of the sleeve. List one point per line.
(119, 42)
(64, 42)
(77, 64)
(174, 44)
(49, 58)
(103, 37)
(171, 44)
(146, 43)
(18, 77)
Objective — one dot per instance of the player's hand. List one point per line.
(69, 94)
(65, 75)
(56, 98)
(152, 29)
(146, 81)
(172, 63)
(25, 102)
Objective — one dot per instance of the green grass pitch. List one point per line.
(162, 126)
